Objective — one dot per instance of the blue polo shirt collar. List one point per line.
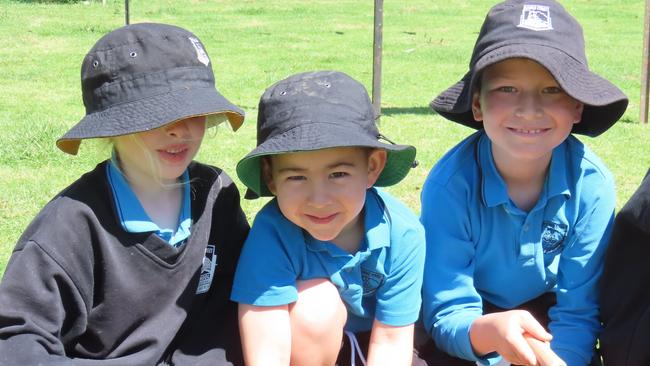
(377, 230)
(557, 178)
(132, 215)
(494, 189)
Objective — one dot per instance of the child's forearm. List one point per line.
(265, 335)
(390, 345)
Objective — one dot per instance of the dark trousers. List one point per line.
(538, 307)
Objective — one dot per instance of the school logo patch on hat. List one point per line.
(535, 17)
(201, 55)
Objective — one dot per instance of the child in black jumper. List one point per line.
(132, 264)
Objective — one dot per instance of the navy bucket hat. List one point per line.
(313, 111)
(144, 76)
(543, 31)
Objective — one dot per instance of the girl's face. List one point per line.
(160, 155)
(524, 111)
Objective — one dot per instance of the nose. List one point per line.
(178, 129)
(529, 106)
(319, 194)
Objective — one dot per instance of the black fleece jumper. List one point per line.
(79, 290)
(625, 285)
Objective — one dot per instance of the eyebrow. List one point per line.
(302, 170)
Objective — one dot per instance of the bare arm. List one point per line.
(265, 334)
(390, 345)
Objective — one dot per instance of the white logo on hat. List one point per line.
(535, 17)
(200, 52)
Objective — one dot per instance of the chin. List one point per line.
(322, 236)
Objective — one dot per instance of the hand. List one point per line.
(543, 352)
(504, 332)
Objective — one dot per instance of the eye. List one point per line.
(338, 175)
(552, 90)
(507, 89)
(296, 178)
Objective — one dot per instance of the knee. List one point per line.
(319, 309)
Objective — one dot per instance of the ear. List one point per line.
(579, 108)
(476, 106)
(267, 173)
(376, 163)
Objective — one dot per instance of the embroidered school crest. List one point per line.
(371, 281)
(553, 235)
(535, 17)
(201, 55)
(207, 269)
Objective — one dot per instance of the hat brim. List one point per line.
(150, 113)
(604, 103)
(318, 136)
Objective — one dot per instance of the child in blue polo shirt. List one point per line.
(518, 214)
(330, 252)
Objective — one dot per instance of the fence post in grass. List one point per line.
(376, 58)
(126, 12)
(645, 81)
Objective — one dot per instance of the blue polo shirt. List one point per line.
(481, 245)
(382, 280)
(132, 215)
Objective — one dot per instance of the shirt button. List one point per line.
(526, 227)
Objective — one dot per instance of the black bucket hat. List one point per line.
(313, 111)
(543, 31)
(144, 76)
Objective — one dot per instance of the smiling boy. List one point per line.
(330, 253)
(518, 215)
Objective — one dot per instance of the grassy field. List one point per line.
(255, 43)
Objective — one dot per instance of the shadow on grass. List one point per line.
(391, 111)
(629, 120)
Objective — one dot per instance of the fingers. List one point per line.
(531, 326)
(545, 356)
(521, 352)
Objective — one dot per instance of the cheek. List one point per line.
(494, 104)
(355, 198)
(198, 130)
(568, 110)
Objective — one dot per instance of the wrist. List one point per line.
(479, 336)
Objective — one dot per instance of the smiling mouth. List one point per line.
(530, 132)
(321, 219)
(174, 154)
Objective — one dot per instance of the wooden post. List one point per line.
(645, 75)
(126, 12)
(376, 57)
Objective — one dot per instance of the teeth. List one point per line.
(528, 131)
(174, 151)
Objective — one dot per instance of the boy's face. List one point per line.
(524, 111)
(324, 191)
(160, 155)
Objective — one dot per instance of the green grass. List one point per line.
(252, 44)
